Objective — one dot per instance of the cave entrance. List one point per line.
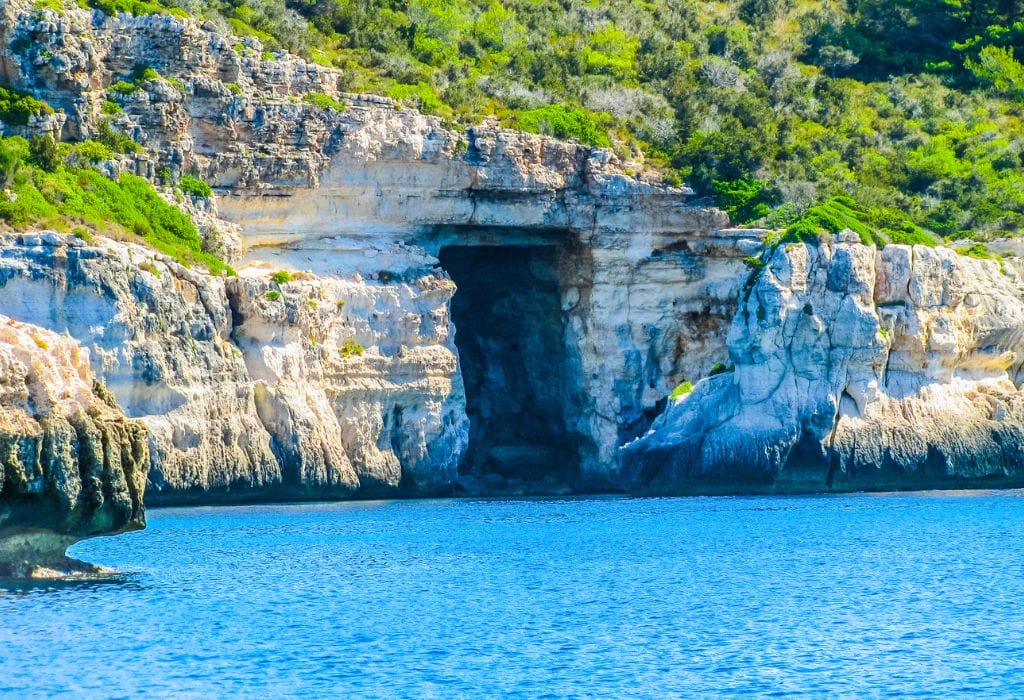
(510, 333)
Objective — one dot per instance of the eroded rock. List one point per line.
(71, 465)
(855, 369)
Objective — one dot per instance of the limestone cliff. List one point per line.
(479, 310)
(854, 368)
(309, 388)
(363, 203)
(71, 465)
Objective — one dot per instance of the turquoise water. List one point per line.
(863, 595)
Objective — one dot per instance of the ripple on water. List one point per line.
(614, 597)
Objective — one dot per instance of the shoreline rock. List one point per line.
(71, 465)
(854, 369)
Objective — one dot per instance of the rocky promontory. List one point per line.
(71, 465)
(853, 368)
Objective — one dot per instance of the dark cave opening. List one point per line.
(510, 333)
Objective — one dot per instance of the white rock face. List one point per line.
(376, 190)
(71, 465)
(855, 369)
(247, 397)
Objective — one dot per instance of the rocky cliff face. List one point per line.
(362, 203)
(71, 465)
(855, 368)
(584, 296)
(251, 389)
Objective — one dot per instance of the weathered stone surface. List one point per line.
(71, 465)
(249, 397)
(855, 369)
(367, 198)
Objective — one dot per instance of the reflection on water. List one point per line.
(829, 595)
(76, 585)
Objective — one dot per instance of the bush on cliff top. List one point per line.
(873, 226)
(63, 196)
(566, 122)
(136, 7)
(16, 107)
(323, 101)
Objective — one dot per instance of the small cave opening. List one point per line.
(510, 334)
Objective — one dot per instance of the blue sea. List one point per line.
(862, 595)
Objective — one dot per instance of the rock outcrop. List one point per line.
(854, 368)
(251, 389)
(71, 465)
(365, 200)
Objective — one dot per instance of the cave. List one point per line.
(510, 334)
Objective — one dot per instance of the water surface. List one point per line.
(866, 595)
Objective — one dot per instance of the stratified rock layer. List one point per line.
(855, 368)
(71, 465)
(251, 389)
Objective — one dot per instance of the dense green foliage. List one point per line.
(911, 109)
(195, 186)
(772, 106)
(566, 123)
(16, 108)
(51, 186)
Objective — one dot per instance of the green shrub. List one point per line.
(17, 107)
(142, 73)
(719, 368)
(273, 295)
(55, 5)
(351, 348)
(45, 153)
(88, 153)
(82, 233)
(681, 390)
(234, 88)
(324, 101)
(195, 186)
(111, 108)
(115, 140)
(979, 252)
(833, 216)
(566, 122)
(135, 7)
(282, 277)
(123, 87)
(422, 95)
(744, 200)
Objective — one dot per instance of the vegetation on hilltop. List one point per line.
(57, 185)
(911, 108)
